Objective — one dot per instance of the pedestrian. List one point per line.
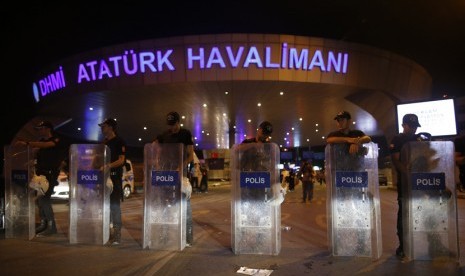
(307, 175)
(409, 125)
(52, 151)
(353, 138)
(196, 177)
(117, 148)
(203, 179)
(176, 134)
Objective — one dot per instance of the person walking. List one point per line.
(306, 174)
(117, 148)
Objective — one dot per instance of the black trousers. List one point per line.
(45, 202)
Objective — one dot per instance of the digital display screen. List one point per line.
(435, 117)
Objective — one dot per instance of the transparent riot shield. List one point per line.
(19, 198)
(164, 206)
(353, 208)
(89, 194)
(255, 210)
(430, 214)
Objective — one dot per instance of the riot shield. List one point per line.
(89, 194)
(353, 208)
(430, 214)
(255, 206)
(164, 205)
(19, 198)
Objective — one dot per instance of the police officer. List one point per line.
(117, 160)
(52, 152)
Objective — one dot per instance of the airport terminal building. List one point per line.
(225, 84)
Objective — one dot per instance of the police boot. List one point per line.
(117, 236)
(51, 229)
(42, 226)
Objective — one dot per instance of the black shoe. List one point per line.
(400, 253)
(50, 230)
(42, 226)
(115, 237)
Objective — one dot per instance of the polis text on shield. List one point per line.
(352, 179)
(164, 178)
(255, 180)
(429, 181)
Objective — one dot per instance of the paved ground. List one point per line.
(304, 247)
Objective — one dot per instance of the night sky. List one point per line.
(432, 33)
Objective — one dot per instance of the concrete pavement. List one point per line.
(304, 246)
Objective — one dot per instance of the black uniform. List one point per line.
(117, 147)
(395, 147)
(48, 164)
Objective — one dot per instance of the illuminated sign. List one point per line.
(435, 117)
(131, 62)
(49, 84)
